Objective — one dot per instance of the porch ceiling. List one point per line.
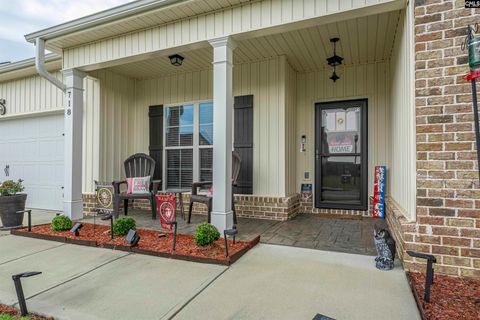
(362, 40)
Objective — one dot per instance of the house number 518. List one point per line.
(69, 103)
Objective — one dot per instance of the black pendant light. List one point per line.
(334, 60)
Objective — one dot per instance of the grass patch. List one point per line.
(9, 317)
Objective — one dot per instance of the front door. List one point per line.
(341, 155)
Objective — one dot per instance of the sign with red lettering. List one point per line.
(166, 208)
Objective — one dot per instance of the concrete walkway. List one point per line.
(269, 282)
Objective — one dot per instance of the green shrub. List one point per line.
(205, 234)
(121, 226)
(61, 223)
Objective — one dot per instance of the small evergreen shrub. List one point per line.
(205, 234)
(121, 226)
(61, 223)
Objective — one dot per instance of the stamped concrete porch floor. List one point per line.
(349, 235)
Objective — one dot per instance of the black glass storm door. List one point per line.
(341, 155)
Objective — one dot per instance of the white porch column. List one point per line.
(72, 188)
(222, 215)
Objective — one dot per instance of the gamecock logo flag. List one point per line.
(166, 208)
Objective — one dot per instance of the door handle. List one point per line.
(317, 154)
(7, 170)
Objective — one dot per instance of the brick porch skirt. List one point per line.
(249, 206)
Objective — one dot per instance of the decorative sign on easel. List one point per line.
(379, 192)
(166, 207)
(104, 197)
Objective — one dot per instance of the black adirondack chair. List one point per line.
(206, 200)
(138, 165)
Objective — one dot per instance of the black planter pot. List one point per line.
(9, 205)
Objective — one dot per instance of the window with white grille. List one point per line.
(188, 144)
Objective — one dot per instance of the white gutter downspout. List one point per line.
(73, 127)
(40, 65)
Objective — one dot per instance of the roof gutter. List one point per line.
(13, 66)
(40, 65)
(102, 17)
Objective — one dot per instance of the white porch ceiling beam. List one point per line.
(222, 215)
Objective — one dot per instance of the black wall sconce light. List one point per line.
(334, 60)
(176, 60)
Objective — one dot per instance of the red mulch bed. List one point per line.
(6, 310)
(150, 243)
(450, 297)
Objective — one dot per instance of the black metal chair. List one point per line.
(138, 165)
(206, 200)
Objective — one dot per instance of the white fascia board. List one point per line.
(102, 17)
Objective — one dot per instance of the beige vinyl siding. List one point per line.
(292, 141)
(402, 153)
(266, 81)
(34, 96)
(117, 106)
(125, 123)
(31, 95)
(356, 82)
(194, 31)
(91, 134)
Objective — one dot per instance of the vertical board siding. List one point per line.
(265, 80)
(402, 152)
(117, 106)
(356, 82)
(291, 136)
(91, 134)
(246, 17)
(31, 96)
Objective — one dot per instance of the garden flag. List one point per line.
(166, 207)
(104, 197)
(379, 192)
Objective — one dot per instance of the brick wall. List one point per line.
(306, 206)
(248, 206)
(89, 204)
(448, 192)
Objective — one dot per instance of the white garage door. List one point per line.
(32, 149)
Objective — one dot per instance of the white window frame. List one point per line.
(196, 139)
